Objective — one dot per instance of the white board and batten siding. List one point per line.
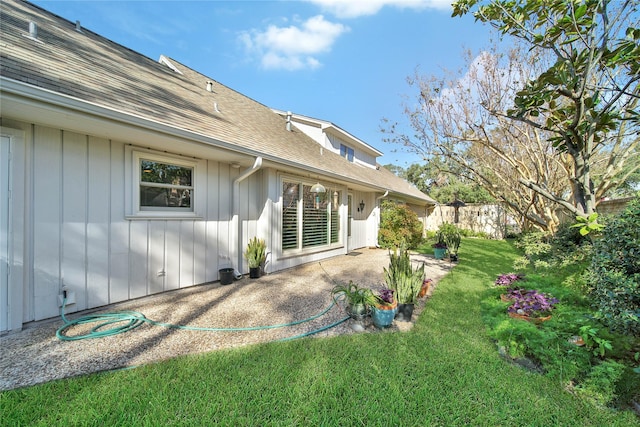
(12, 220)
(77, 234)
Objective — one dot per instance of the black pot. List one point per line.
(254, 272)
(405, 311)
(226, 276)
(453, 257)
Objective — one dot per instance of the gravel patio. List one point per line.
(35, 355)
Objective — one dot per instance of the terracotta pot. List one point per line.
(536, 320)
(425, 288)
(504, 298)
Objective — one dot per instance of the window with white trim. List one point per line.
(164, 185)
(309, 219)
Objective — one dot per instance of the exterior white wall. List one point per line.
(316, 133)
(332, 143)
(359, 156)
(12, 280)
(72, 225)
(76, 234)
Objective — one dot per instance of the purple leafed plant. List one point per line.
(531, 303)
(386, 295)
(508, 279)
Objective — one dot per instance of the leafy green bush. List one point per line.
(545, 251)
(535, 247)
(600, 385)
(399, 225)
(614, 274)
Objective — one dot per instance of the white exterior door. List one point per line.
(5, 201)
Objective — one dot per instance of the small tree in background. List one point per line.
(399, 226)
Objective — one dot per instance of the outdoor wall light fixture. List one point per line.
(361, 208)
(318, 188)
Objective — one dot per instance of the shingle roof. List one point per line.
(91, 68)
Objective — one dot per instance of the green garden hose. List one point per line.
(133, 319)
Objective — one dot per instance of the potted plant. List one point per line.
(384, 307)
(440, 246)
(355, 298)
(531, 305)
(256, 255)
(426, 286)
(452, 239)
(453, 244)
(405, 281)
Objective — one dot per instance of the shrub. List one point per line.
(600, 385)
(544, 251)
(535, 247)
(399, 225)
(614, 274)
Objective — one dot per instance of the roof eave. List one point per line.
(55, 109)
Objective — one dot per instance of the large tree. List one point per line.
(454, 125)
(587, 99)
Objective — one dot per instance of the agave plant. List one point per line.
(402, 278)
(256, 252)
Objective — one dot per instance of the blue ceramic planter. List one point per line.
(439, 252)
(383, 318)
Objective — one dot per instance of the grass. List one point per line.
(445, 372)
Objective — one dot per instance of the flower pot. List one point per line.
(577, 340)
(382, 316)
(505, 298)
(425, 288)
(254, 272)
(536, 320)
(405, 311)
(226, 276)
(438, 253)
(357, 311)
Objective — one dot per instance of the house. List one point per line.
(122, 177)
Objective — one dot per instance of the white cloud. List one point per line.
(293, 47)
(356, 8)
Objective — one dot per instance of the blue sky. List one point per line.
(344, 61)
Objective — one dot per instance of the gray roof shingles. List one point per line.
(94, 69)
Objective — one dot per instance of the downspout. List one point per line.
(386, 193)
(235, 220)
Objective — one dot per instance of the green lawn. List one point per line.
(446, 371)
